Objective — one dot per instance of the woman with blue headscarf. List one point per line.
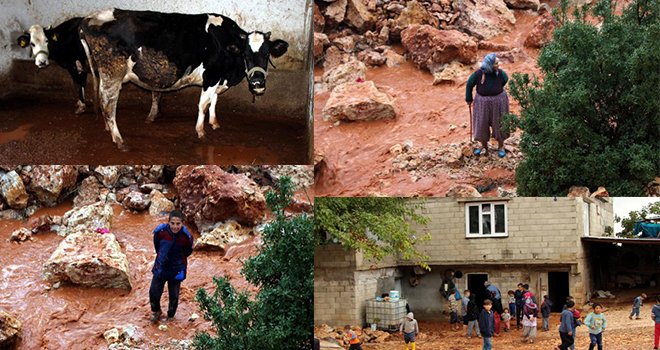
(490, 104)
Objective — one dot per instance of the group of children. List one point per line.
(484, 326)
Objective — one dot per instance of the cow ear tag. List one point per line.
(23, 41)
(55, 37)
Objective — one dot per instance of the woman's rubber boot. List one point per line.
(413, 345)
(155, 316)
(501, 153)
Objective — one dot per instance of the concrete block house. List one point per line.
(538, 241)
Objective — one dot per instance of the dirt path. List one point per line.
(357, 154)
(75, 318)
(622, 334)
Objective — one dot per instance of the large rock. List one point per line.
(13, 190)
(463, 191)
(10, 328)
(319, 20)
(358, 16)
(335, 12)
(487, 19)
(523, 4)
(358, 101)
(541, 34)
(230, 232)
(108, 175)
(89, 259)
(414, 13)
(89, 192)
(320, 42)
(350, 71)
(49, 182)
(430, 48)
(136, 201)
(86, 219)
(578, 191)
(159, 203)
(208, 194)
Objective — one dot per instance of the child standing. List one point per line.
(487, 324)
(506, 319)
(655, 316)
(530, 312)
(353, 340)
(409, 328)
(566, 326)
(464, 306)
(546, 308)
(472, 318)
(637, 304)
(512, 302)
(596, 323)
(453, 311)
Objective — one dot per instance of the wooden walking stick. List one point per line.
(470, 108)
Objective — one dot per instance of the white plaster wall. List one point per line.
(286, 19)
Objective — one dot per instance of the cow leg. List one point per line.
(79, 80)
(204, 100)
(212, 118)
(109, 88)
(155, 104)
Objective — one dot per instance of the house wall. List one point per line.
(543, 235)
(289, 20)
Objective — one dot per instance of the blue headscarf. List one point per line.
(489, 61)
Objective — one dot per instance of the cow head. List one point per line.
(37, 39)
(258, 51)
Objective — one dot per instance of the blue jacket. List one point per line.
(637, 302)
(546, 308)
(172, 257)
(567, 321)
(487, 323)
(656, 313)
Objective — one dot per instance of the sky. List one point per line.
(624, 205)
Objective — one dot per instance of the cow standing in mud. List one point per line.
(169, 51)
(63, 46)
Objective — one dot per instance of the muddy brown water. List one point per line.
(75, 318)
(45, 130)
(357, 153)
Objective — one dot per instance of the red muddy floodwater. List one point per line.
(48, 132)
(357, 154)
(73, 318)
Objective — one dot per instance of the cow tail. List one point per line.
(95, 83)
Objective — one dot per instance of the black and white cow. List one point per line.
(63, 46)
(169, 51)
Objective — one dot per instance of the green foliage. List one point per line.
(281, 315)
(378, 227)
(628, 223)
(594, 120)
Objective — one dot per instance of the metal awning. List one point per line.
(642, 241)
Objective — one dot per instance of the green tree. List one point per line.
(281, 315)
(594, 120)
(628, 222)
(376, 226)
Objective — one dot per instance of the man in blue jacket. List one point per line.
(173, 244)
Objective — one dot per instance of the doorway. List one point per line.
(558, 289)
(475, 283)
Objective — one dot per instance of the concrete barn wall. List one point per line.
(288, 86)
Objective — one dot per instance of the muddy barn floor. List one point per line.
(34, 131)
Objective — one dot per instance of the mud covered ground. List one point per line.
(357, 154)
(621, 333)
(74, 318)
(46, 131)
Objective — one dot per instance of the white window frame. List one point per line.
(586, 219)
(492, 218)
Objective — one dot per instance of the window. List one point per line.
(485, 220)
